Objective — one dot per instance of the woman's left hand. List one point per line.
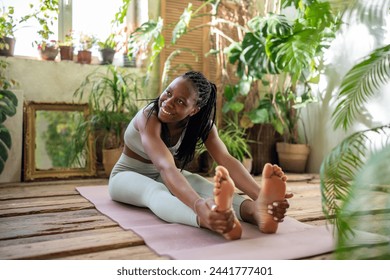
(279, 208)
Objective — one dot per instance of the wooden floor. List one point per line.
(50, 220)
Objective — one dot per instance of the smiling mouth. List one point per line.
(166, 112)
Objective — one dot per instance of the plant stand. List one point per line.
(293, 157)
(262, 141)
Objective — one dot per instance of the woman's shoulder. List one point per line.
(145, 116)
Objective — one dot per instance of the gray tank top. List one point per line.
(132, 140)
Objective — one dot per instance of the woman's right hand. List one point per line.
(221, 222)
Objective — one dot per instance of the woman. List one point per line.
(169, 129)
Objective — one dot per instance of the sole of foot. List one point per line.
(273, 188)
(223, 197)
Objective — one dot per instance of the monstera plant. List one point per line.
(8, 104)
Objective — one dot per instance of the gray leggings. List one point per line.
(137, 183)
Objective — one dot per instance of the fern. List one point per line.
(361, 83)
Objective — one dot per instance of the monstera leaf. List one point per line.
(8, 104)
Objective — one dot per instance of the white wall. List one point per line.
(49, 82)
(350, 45)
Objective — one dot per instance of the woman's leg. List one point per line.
(205, 189)
(139, 190)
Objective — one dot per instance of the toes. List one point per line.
(268, 170)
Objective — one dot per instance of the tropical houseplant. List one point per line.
(280, 57)
(7, 29)
(107, 49)
(112, 97)
(355, 178)
(45, 13)
(8, 104)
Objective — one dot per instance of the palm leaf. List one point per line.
(340, 167)
(361, 83)
(365, 212)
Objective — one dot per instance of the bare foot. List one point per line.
(273, 188)
(223, 197)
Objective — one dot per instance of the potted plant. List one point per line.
(234, 137)
(7, 29)
(46, 12)
(8, 104)
(283, 57)
(87, 41)
(67, 46)
(107, 49)
(112, 98)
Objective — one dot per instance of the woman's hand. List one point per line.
(221, 222)
(279, 208)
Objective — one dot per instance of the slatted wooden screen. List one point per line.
(197, 40)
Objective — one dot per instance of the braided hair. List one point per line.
(200, 124)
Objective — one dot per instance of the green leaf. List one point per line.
(362, 82)
(182, 25)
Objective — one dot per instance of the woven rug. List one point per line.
(293, 240)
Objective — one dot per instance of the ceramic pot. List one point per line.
(84, 57)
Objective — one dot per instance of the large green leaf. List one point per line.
(183, 23)
(360, 83)
(5, 145)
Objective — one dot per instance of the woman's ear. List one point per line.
(194, 111)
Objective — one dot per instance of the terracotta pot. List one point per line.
(10, 42)
(66, 52)
(49, 53)
(110, 157)
(293, 157)
(84, 57)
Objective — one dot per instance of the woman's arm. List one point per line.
(241, 177)
(174, 180)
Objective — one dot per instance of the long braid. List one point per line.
(200, 124)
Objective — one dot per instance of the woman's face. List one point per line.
(177, 102)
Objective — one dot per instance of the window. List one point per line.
(86, 16)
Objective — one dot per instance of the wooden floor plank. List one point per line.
(141, 252)
(72, 246)
(52, 223)
(59, 236)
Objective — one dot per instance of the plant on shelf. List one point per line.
(280, 58)
(355, 175)
(45, 13)
(7, 29)
(8, 105)
(108, 48)
(112, 97)
(86, 43)
(67, 46)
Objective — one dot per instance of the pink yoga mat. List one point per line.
(294, 240)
